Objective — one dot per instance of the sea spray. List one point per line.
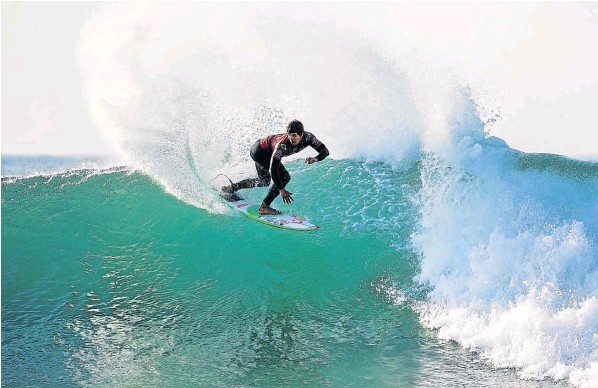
(220, 95)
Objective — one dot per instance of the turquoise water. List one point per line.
(109, 281)
(446, 257)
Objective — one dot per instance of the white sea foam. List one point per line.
(511, 259)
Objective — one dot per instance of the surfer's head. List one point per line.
(295, 126)
(295, 131)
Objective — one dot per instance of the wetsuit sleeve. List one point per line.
(322, 152)
(320, 147)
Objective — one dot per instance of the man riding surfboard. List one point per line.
(267, 153)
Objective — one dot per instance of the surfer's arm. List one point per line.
(322, 152)
(319, 147)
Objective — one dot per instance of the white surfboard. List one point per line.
(284, 221)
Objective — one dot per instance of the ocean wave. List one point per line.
(504, 237)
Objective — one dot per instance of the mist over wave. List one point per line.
(183, 91)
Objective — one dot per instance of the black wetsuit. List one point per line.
(267, 154)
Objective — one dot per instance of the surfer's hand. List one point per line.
(286, 196)
(310, 160)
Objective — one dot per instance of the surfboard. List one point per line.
(283, 220)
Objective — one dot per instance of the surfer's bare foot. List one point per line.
(267, 210)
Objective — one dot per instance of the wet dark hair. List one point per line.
(295, 126)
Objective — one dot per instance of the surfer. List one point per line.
(267, 154)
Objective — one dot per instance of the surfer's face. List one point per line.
(295, 138)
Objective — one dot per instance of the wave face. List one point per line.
(497, 253)
(430, 221)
